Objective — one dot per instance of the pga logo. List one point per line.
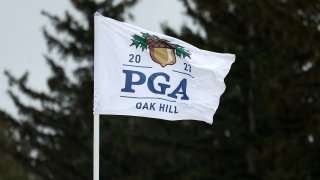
(162, 88)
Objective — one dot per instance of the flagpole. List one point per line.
(96, 141)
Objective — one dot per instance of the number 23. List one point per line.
(187, 67)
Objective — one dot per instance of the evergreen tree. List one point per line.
(55, 140)
(268, 127)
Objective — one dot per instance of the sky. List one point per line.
(23, 46)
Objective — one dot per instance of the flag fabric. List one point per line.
(142, 73)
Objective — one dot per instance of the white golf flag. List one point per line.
(143, 73)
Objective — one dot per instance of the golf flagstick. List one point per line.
(96, 141)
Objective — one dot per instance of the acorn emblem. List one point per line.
(161, 51)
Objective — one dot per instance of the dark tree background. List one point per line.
(10, 169)
(267, 126)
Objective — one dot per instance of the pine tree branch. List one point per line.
(21, 83)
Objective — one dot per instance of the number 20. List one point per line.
(135, 58)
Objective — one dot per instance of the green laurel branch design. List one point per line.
(181, 51)
(139, 41)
